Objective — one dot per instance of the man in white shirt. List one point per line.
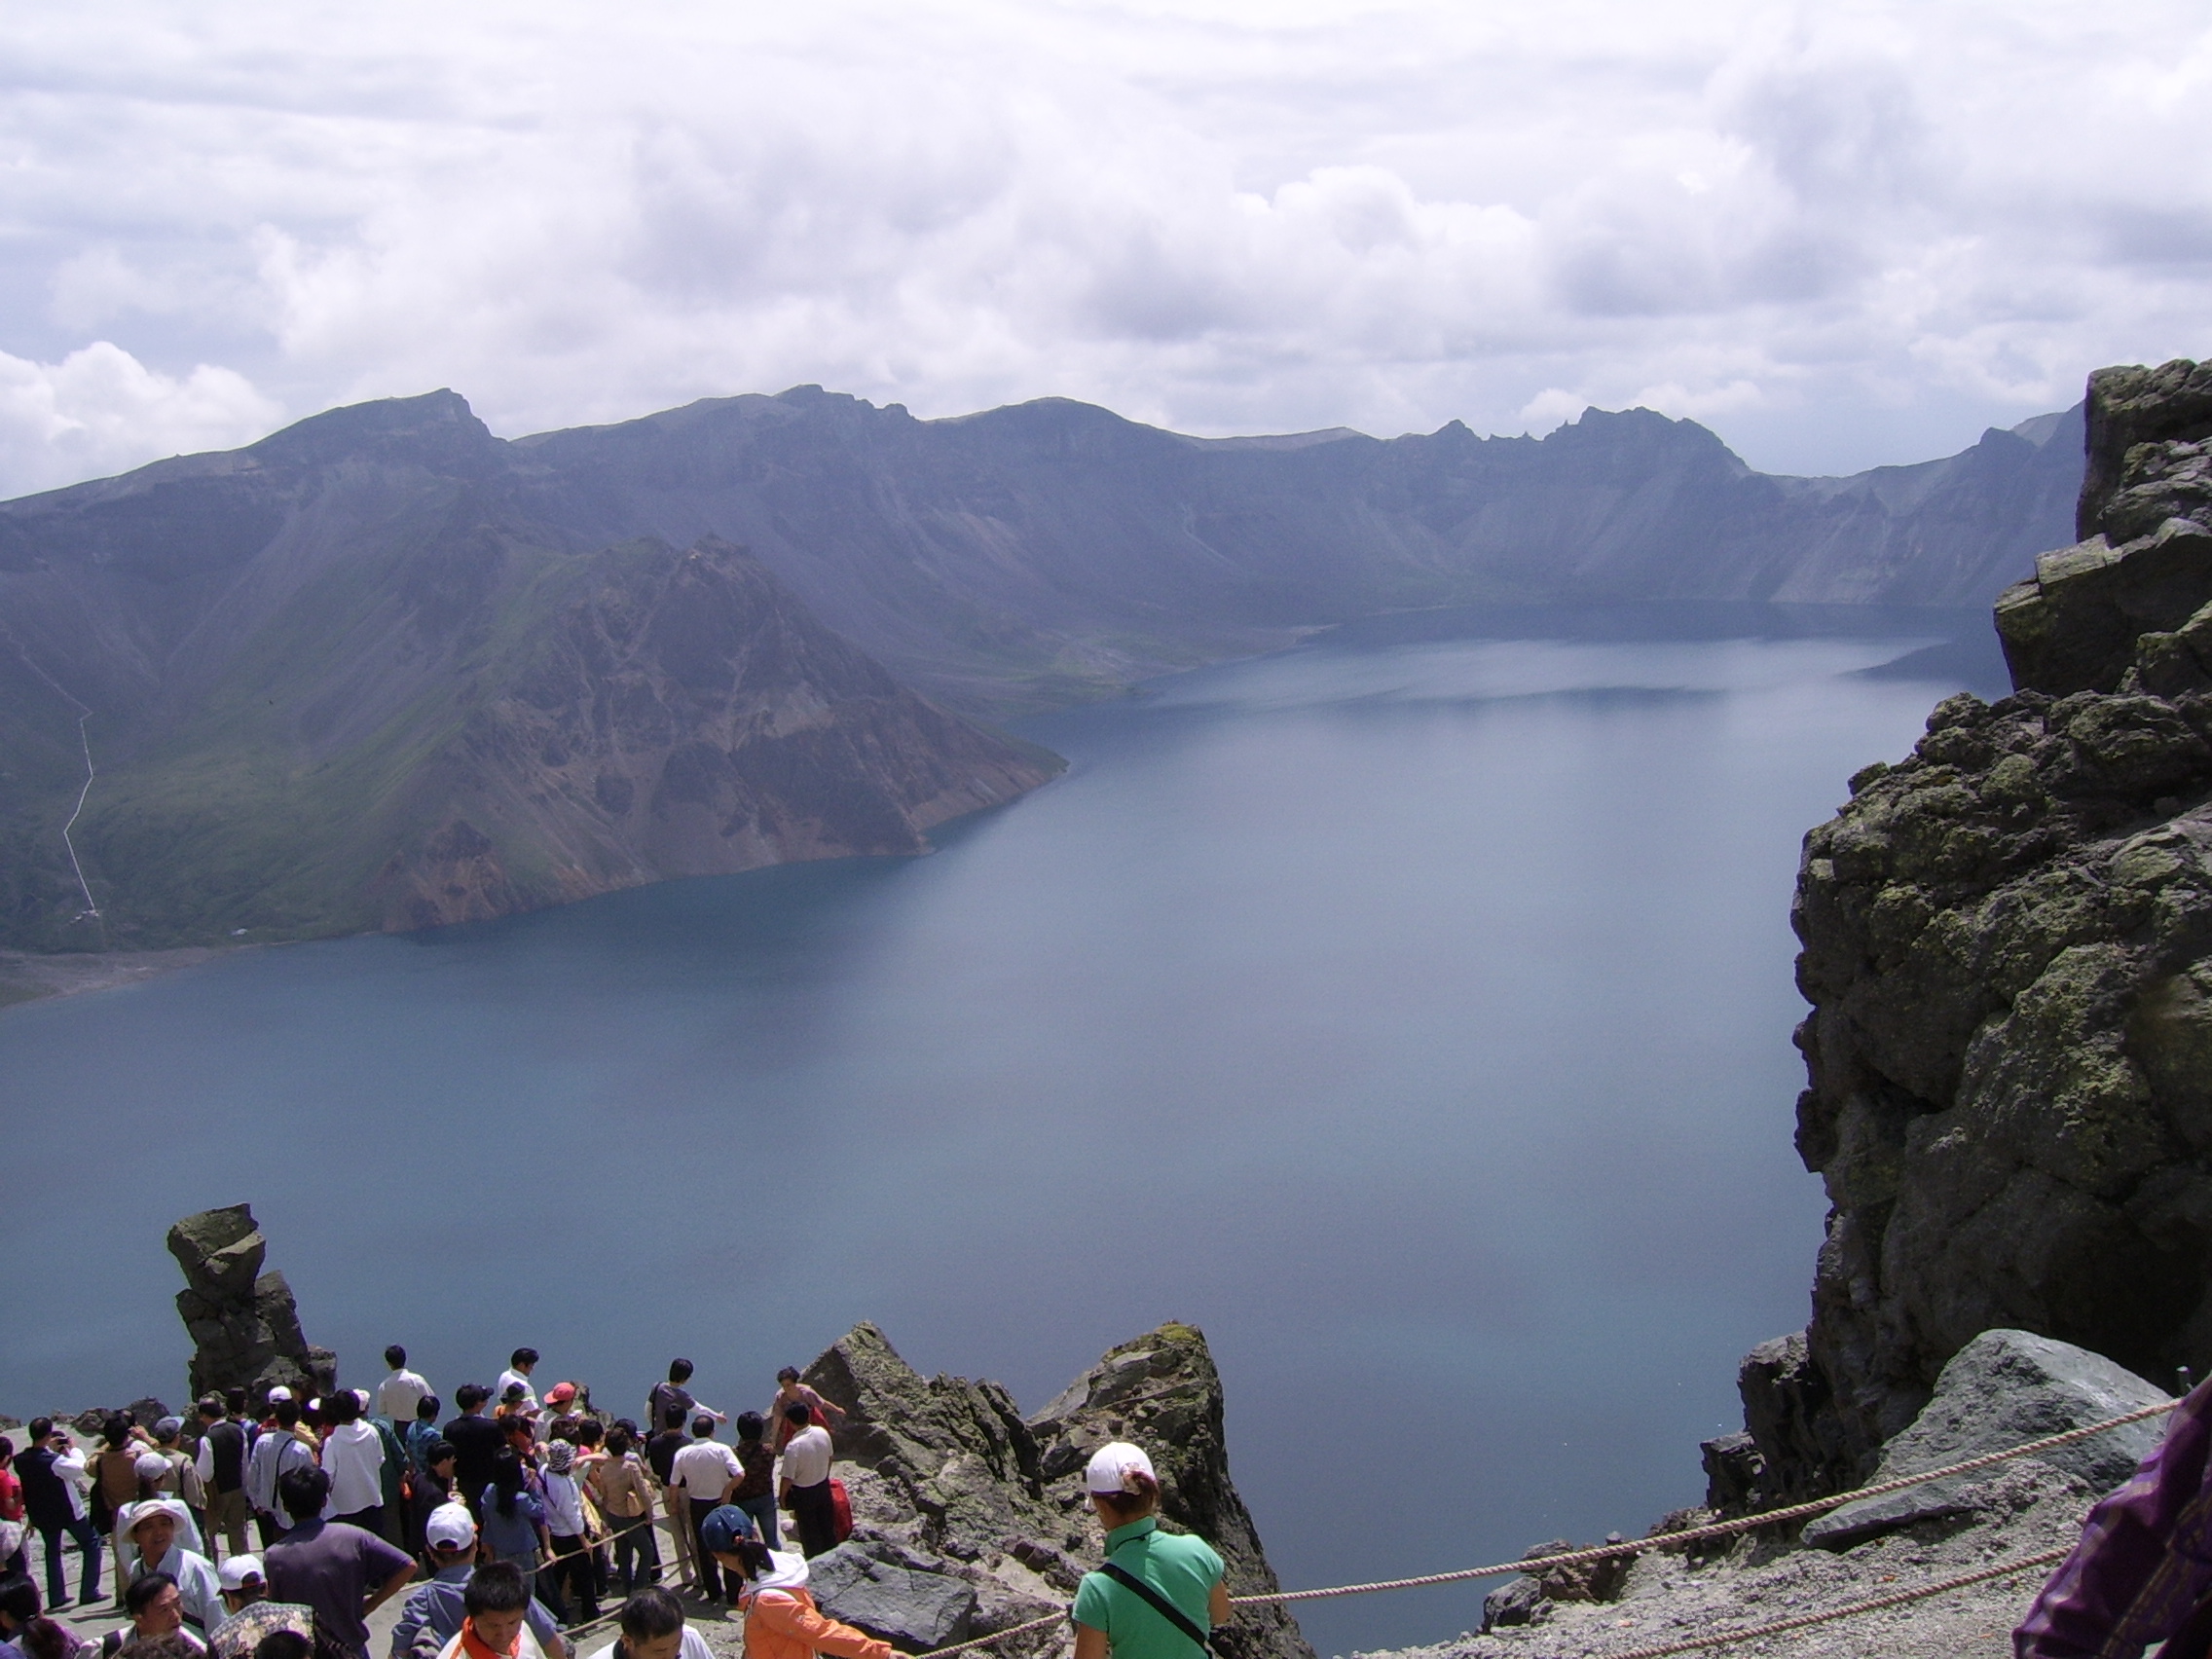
(803, 1483)
(707, 1472)
(519, 1367)
(398, 1394)
(654, 1627)
(352, 1456)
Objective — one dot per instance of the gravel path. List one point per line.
(2025, 1510)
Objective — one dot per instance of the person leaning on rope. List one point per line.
(1111, 1617)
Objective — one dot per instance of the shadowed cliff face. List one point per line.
(2008, 945)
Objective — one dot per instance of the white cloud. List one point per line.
(100, 410)
(1843, 234)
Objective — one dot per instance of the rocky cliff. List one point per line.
(952, 1486)
(244, 1324)
(2008, 949)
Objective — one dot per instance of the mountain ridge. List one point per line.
(288, 647)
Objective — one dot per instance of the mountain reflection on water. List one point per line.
(1410, 1010)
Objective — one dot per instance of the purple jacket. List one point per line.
(2143, 1571)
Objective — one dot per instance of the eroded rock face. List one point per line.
(244, 1326)
(2007, 947)
(948, 1478)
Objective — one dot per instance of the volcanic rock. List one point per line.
(244, 1323)
(867, 1586)
(948, 1478)
(2007, 947)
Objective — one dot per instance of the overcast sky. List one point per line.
(1839, 234)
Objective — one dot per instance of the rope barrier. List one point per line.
(1676, 1540)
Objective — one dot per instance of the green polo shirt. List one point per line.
(1181, 1568)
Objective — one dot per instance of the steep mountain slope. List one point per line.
(345, 679)
(384, 668)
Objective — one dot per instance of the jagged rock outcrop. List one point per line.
(2007, 947)
(948, 1478)
(245, 1327)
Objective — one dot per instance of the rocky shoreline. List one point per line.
(29, 976)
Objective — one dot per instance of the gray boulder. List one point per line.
(2003, 1389)
(868, 1586)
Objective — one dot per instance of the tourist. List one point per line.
(625, 1497)
(221, 1467)
(248, 1614)
(803, 1486)
(719, 1530)
(341, 1572)
(55, 1479)
(569, 1538)
(278, 1451)
(433, 1613)
(285, 1644)
(50, 1638)
(156, 1629)
(790, 1393)
(674, 1396)
(660, 1458)
(756, 1493)
(18, 1607)
(651, 1625)
(182, 1478)
(353, 1457)
(1159, 1592)
(707, 1472)
(12, 1511)
(422, 1433)
(519, 1367)
(495, 1617)
(114, 1469)
(432, 1489)
(399, 1394)
(511, 1517)
(516, 1406)
(561, 1401)
(476, 1441)
(781, 1620)
(156, 1533)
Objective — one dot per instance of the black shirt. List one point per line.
(476, 1441)
(226, 1443)
(661, 1451)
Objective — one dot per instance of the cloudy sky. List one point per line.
(1840, 233)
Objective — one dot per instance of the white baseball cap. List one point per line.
(279, 1393)
(450, 1528)
(241, 1571)
(1114, 1466)
(151, 1466)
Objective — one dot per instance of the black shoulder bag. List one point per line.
(1160, 1605)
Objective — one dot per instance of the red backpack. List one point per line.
(841, 1506)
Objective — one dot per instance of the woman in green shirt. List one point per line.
(1112, 1617)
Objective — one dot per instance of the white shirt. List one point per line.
(704, 1468)
(563, 1506)
(508, 1379)
(807, 1458)
(694, 1646)
(352, 1456)
(398, 1394)
(76, 1479)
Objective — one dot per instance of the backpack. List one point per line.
(841, 1507)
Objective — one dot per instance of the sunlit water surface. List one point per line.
(1413, 1016)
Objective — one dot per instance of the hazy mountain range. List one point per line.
(384, 669)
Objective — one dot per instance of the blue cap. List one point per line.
(720, 1531)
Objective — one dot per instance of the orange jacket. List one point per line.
(784, 1624)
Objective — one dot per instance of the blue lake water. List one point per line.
(1411, 1013)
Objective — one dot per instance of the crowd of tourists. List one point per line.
(268, 1522)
